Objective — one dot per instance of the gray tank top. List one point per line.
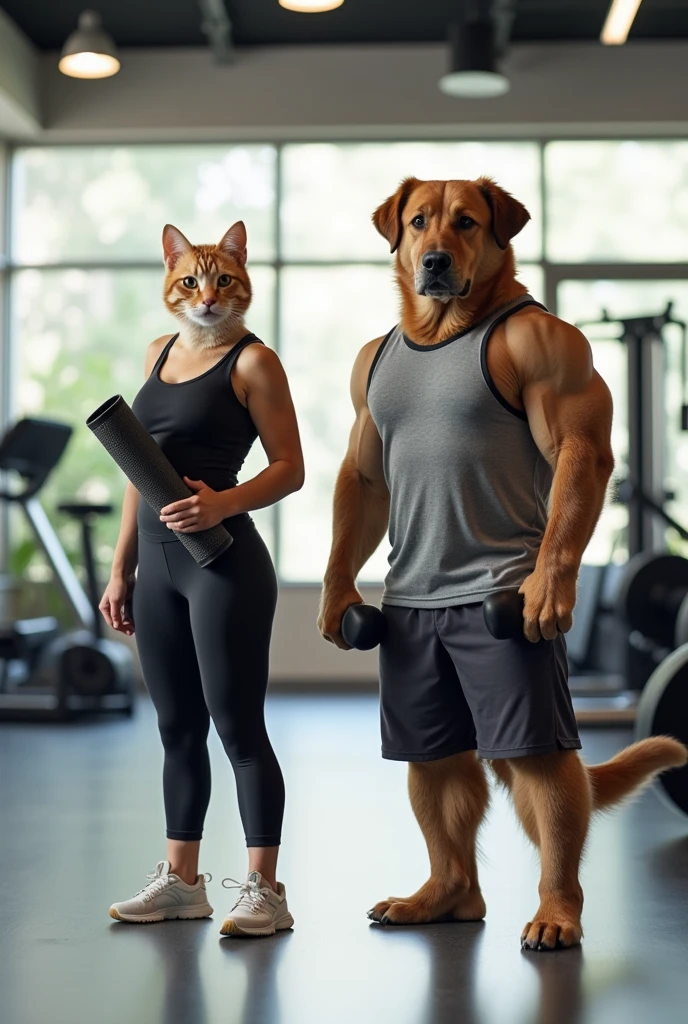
(468, 486)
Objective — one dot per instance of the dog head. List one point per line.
(450, 236)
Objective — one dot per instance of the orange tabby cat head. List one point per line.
(207, 285)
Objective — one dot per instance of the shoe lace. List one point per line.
(155, 886)
(250, 896)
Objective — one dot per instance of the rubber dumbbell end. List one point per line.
(363, 626)
(503, 614)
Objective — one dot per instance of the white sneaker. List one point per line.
(259, 910)
(164, 898)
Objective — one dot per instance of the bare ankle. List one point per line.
(188, 877)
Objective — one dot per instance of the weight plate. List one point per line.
(663, 711)
(650, 592)
(88, 672)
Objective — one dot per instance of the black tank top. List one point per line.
(201, 426)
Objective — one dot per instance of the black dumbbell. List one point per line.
(363, 626)
(503, 614)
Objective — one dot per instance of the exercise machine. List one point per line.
(45, 673)
(617, 641)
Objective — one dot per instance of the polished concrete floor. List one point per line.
(81, 824)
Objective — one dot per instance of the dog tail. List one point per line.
(634, 768)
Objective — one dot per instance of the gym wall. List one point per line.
(559, 90)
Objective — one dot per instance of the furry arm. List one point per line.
(569, 411)
(361, 506)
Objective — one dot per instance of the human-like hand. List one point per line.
(203, 510)
(115, 604)
(336, 597)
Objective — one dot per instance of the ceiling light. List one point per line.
(310, 6)
(89, 52)
(473, 71)
(619, 20)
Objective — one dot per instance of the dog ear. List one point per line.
(387, 218)
(508, 215)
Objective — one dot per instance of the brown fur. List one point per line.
(482, 254)
(633, 768)
(449, 817)
(554, 794)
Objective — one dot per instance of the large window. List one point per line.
(86, 273)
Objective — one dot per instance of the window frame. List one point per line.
(553, 272)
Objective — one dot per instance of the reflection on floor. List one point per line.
(81, 824)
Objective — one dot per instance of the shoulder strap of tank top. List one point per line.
(248, 339)
(163, 355)
(495, 321)
(377, 355)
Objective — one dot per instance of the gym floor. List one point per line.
(82, 824)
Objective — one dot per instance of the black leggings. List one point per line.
(203, 637)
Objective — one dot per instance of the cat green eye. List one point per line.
(223, 280)
(190, 282)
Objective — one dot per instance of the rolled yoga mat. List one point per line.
(151, 472)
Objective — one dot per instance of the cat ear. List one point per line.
(174, 245)
(233, 242)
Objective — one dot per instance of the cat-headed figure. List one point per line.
(207, 286)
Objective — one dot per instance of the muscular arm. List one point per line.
(569, 411)
(361, 506)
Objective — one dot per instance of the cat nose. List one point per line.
(209, 302)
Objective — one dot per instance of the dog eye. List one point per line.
(190, 282)
(419, 221)
(466, 223)
(223, 280)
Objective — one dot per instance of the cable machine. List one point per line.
(617, 641)
(644, 490)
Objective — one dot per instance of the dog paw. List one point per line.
(395, 911)
(547, 935)
(377, 912)
(408, 912)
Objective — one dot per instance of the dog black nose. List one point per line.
(437, 261)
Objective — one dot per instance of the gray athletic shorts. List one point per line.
(446, 686)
